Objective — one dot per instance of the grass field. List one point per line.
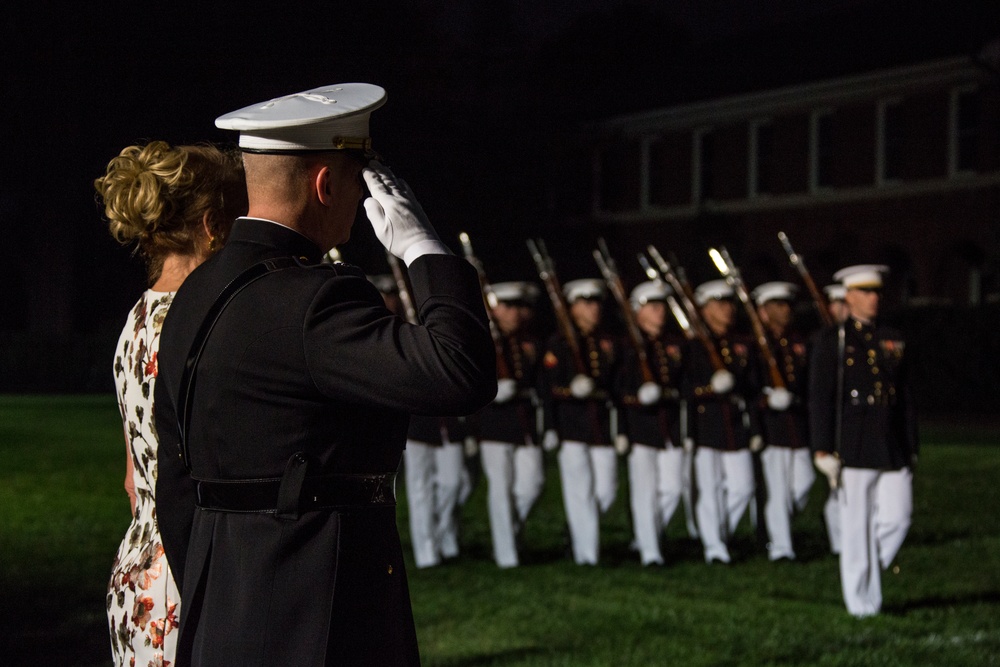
(64, 513)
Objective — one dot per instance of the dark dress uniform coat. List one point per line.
(588, 419)
(727, 421)
(305, 360)
(652, 425)
(515, 420)
(789, 428)
(879, 425)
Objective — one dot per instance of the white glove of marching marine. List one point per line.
(778, 398)
(829, 465)
(649, 393)
(550, 441)
(722, 381)
(581, 386)
(397, 217)
(506, 389)
(622, 445)
(470, 446)
(756, 443)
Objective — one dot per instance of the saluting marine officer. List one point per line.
(579, 409)
(862, 411)
(284, 395)
(786, 459)
(651, 420)
(508, 427)
(723, 424)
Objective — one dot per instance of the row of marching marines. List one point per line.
(688, 402)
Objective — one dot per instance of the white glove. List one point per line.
(581, 386)
(756, 443)
(722, 381)
(397, 217)
(688, 445)
(550, 441)
(506, 389)
(649, 393)
(471, 447)
(829, 465)
(622, 445)
(778, 398)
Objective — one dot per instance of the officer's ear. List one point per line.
(322, 184)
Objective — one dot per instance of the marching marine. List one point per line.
(786, 460)
(864, 435)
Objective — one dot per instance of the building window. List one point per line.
(821, 151)
(702, 186)
(964, 134)
(760, 170)
(618, 177)
(890, 138)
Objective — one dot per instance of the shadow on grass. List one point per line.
(942, 602)
(52, 626)
(498, 658)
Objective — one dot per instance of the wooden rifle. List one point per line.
(684, 292)
(609, 269)
(675, 307)
(724, 263)
(796, 261)
(490, 299)
(547, 273)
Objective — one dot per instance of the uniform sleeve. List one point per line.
(822, 391)
(357, 351)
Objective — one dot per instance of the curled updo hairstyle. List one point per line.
(156, 196)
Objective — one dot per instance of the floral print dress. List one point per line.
(142, 595)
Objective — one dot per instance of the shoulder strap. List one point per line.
(225, 297)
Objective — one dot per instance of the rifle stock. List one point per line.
(606, 263)
(684, 292)
(731, 273)
(547, 274)
(796, 261)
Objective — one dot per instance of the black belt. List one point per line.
(317, 492)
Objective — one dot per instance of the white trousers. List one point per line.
(831, 516)
(433, 483)
(875, 511)
(655, 483)
(725, 487)
(589, 477)
(515, 476)
(788, 476)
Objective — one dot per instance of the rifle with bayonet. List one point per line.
(547, 274)
(778, 398)
(650, 391)
(722, 380)
(490, 300)
(796, 261)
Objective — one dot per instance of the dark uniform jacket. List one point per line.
(305, 360)
(789, 428)
(879, 426)
(588, 419)
(652, 425)
(514, 421)
(431, 430)
(728, 420)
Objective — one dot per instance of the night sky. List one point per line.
(475, 89)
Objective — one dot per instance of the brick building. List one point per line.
(898, 166)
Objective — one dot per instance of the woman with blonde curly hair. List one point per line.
(174, 205)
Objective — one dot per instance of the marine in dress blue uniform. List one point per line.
(279, 520)
(723, 424)
(650, 419)
(786, 460)
(578, 412)
(864, 434)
